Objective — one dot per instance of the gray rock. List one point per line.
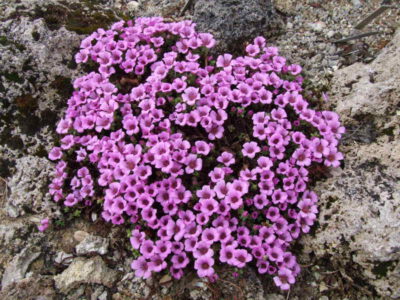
(17, 268)
(234, 22)
(92, 244)
(164, 8)
(133, 6)
(372, 89)
(81, 270)
(286, 6)
(317, 26)
(80, 235)
(35, 288)
(99, 294)
(63, 258)
(28, 187)
(274, 297)
(360, 204)
(36, 82)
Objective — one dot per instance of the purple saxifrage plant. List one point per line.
(207, 160)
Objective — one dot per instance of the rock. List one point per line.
(37, 288)
(38, 40)
(36, 81)
(274, 297)
(92, 244)
(99, 294)
(17, 268)
(253, 288)
(133, 6)
(90, 271)
(63, 258)
(80, 235)
(164, 8)
(360, 204)
(372, 89)
(317, 26)
(330, 34)
(28, 187)
(199, 290)
(356, 3)
(235, 22)
(286, 6)
(359, 218)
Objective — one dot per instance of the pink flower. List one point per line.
(142, 267)
(284, 279)
(44, 224)
(333, 158)
(226, 158)
(241, 257)
(193, 156)
(224, 61)
(204, 266)
(193, 163)
(191, 95)
(55, 153)
(250, 149)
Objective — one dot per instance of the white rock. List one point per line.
(317, 26)
(133, 6)
(63, 258)
(92, 244)
(81, 270)
(360, 204)
(16, 269)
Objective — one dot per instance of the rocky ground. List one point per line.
(353, 252)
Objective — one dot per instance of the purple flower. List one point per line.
(142, 267)
(226, 158)
(180, 260)
(204, 266)
(190, 95)
(200, 155)
(333, 158)
(284, 279)
(55, 153)
(193, 163)
(224, 61)
(203, 249)
(234, 199)
(241, 257)
(44, 224)
(250, 149)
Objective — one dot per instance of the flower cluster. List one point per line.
(208, 160)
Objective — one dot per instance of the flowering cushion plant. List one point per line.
(208, 160)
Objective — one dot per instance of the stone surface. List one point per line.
(37, 288)
(360, 204)
(359, 218)
(234, 22)
(92, 244)
(80, 235)
(164, 8)
(17, 268)
(286, 6)
(63, 258)
(370, 89)
(92, 270)
(28, 187)
(133, 6)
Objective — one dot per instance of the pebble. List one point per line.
(92, 244)
(330, 34)
(317, 26)
(132, 6)
(80, 235)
